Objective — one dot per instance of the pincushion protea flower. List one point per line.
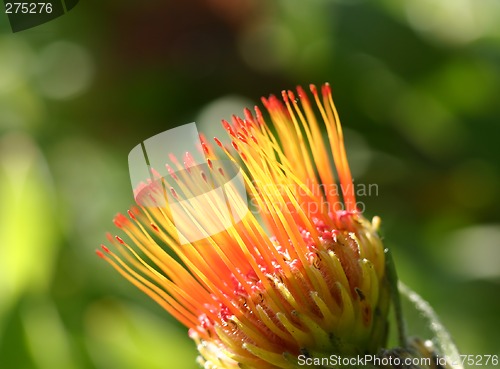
(304, 276)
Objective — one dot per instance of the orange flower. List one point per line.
(301, 275)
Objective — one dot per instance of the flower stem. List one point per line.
(392, 277)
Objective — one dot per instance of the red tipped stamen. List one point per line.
(313, 89)
(229, 128)
(242, 138)
(155, 173)
(258, 115)
(173, 158)
(117, 223)
(217, 141)
(248, 115)
(205, 148)
(326, 89)
(188, 157)
(284, 96)
(239, 123)
(265, 102)
(204, 144)
(110, 237)
(171, 172)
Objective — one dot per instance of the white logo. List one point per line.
(170, 171)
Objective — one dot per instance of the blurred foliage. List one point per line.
(417, 84)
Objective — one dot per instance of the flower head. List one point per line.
(301, 275)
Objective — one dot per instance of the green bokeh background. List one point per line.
(417, 84)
